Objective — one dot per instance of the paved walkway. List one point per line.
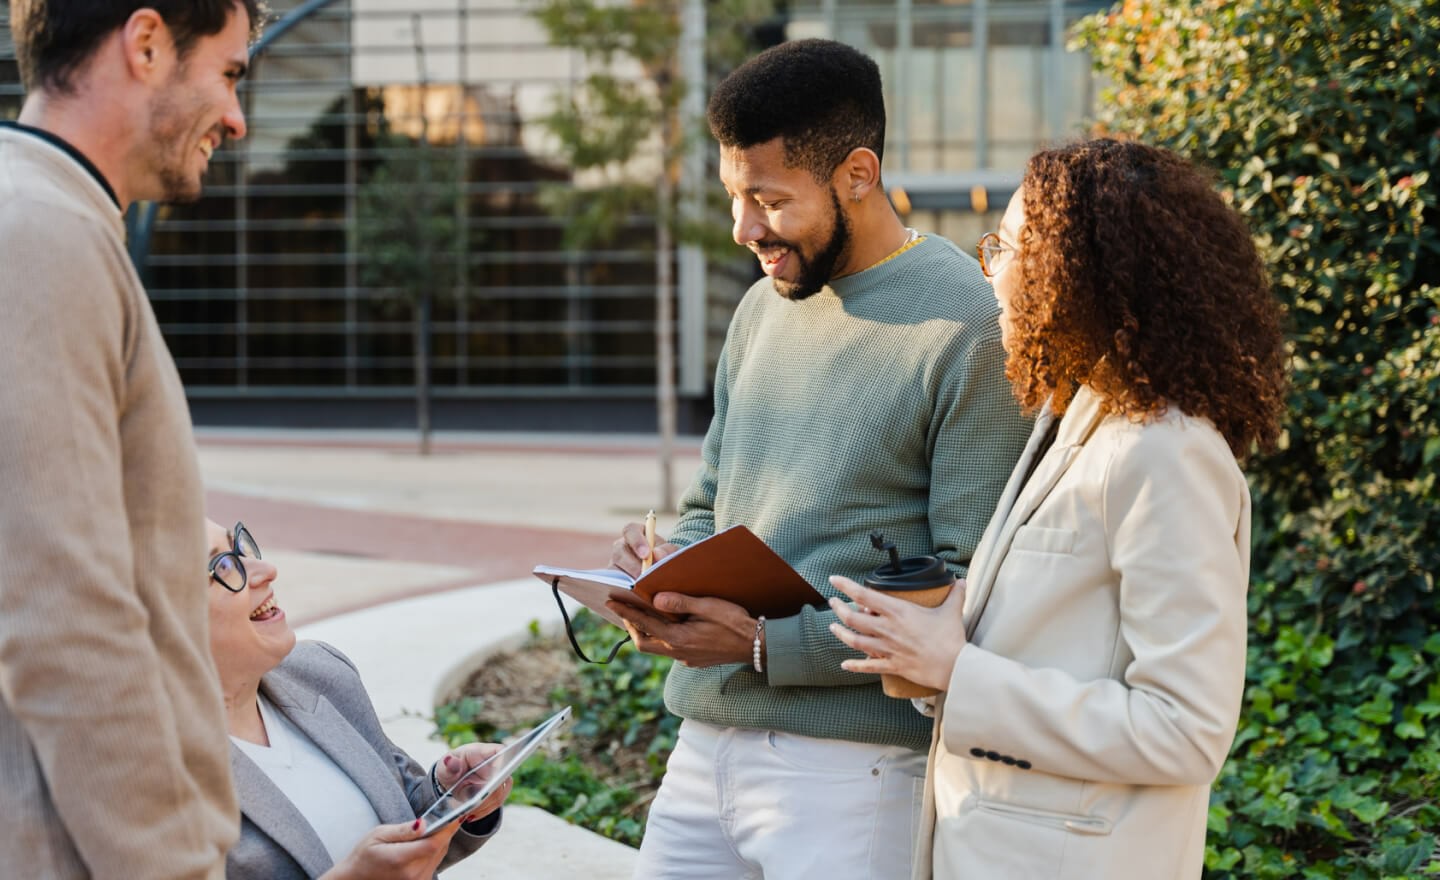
(355, 520)
(418, 567)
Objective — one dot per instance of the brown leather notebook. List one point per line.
(733, 565)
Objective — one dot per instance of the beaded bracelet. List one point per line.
(755, 655)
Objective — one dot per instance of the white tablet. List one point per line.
(480, 781)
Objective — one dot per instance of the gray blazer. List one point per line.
(319, 690)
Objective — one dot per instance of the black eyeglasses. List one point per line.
(227, 569)
(994, 254)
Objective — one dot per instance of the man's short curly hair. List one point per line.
(1137, 279)
(822, 97)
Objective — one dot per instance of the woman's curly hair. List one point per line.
(1137, 279)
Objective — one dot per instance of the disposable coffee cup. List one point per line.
(924, 580)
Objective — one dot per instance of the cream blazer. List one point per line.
(1099, 693)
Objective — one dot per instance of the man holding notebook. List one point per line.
(861, 388)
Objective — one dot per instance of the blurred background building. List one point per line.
(396, 139)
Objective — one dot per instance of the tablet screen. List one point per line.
(484, 778)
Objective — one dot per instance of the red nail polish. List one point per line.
(416, 826)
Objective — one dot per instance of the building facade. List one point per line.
(397, 146)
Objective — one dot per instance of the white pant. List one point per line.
(756, 804)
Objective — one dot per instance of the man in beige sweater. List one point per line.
(113, 753)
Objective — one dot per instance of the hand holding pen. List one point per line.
(639, 546)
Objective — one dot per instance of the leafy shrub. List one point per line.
(573, 791)
(620, 737)
(1322, 119)
(462, 721)
(623, 701)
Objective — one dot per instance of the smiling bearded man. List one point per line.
(861, 387)
(812, 272)
(111, 722)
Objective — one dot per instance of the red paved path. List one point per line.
(489, 552)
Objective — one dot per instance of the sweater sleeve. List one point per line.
(79, 669)
(801, 651)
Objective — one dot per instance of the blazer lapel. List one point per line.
(273, 813)
(977, 583)
(1022, 497)
(318, 718)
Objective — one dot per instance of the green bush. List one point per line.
(620, 737)
(624, 701)
(1322, 118)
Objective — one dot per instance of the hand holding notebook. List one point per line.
(732, 564)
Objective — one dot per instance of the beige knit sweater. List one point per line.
(114, 760)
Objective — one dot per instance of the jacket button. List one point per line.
(979, 753)
(1023, 765)
(994, 756)
(1006, 759)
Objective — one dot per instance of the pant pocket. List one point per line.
(897, 817)
(825, 756)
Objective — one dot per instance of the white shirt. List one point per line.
(328, 799)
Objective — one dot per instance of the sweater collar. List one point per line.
(843, 287)
(69, 150)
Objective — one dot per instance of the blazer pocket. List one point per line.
(1075, 823)
(1043, 540)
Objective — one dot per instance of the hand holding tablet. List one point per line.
(485, 778)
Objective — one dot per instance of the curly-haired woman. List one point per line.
(1092, 670)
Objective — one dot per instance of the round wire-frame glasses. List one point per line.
(994, 254)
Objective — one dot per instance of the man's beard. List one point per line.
(170, 130)
(817, 272)
(177, 187)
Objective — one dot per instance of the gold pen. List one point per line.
(649, 541)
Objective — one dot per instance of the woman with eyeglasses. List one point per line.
(323, 792)
(1091, 671)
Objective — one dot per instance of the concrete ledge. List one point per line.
(415, 651)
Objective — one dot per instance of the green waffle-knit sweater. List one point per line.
(879, 403)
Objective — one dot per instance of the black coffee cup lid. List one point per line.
(910, 573)
(916, 573)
